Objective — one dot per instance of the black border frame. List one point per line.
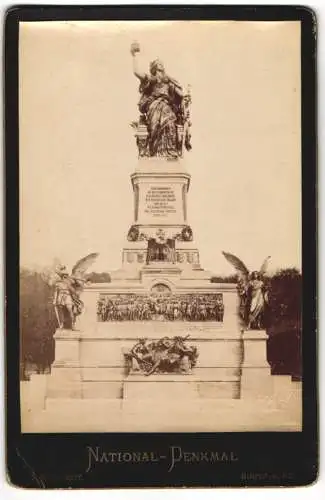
(60, 460)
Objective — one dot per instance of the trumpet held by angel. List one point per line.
(252, 291)
(68, 288)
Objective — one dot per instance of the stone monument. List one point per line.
(160, 344)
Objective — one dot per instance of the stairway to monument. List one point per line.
(183, 416)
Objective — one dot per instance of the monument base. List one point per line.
(230, 389)
(92, 364)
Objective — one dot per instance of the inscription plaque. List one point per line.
(160, 201)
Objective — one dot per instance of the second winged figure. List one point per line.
(67, 290)
(252, 292)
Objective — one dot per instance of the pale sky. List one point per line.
(78, 96)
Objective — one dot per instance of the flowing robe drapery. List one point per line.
(159, 102)
(257, 301)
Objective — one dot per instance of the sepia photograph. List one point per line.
(160, 229)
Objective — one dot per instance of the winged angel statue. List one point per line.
(252, 292)
(68, 288)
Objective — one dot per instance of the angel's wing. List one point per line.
(83, 264)
(264, 265)
(237, 263)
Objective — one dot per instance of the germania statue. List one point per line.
(163, 126)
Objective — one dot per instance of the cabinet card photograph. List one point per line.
(161, 194)
(160, 198)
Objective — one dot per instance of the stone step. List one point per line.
(165, 391)
(110, 416)
(189, 406)
(82, 406)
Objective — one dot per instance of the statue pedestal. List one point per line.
(160, 193)
(67, 348)
(65, 379)
(256, 380)
(160, 189)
